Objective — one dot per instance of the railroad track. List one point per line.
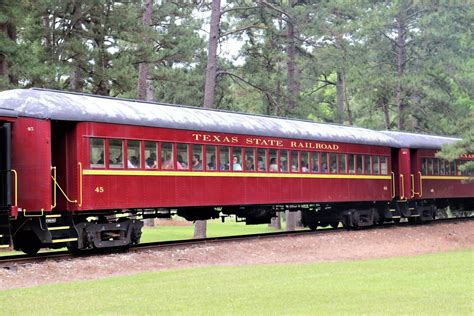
(9, 262)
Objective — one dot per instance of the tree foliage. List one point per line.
(378, 64)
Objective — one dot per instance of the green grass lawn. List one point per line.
(435, 284)
(215, 228)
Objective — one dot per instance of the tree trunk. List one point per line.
(9, 31)
(200, 227)
(290, 221)
(401, 46)
(3, 56)
(276, 221)
(340, 96)
(143, 68)
(293, 89)
(211, 70)
(386, 113)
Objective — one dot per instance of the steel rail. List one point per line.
(9, 262)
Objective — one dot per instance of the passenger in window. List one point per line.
(273, 165)
(212, 164)
(236, 164)
(304, 166)
(197, 165)
(334, 168)
(249, 164)
(168, 164)
(133, 162)
(181, 163)
(101, 159)
(324, 168)
(151, 161)
(261, 164)
(315, 168)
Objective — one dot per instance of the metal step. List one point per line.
(61, 227)
(5, 234)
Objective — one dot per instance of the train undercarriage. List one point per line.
(122, 228)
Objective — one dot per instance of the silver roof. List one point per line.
(57, 105)
(413, 140)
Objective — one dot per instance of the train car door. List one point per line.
(5, 166)
(415, 174)
(5, 183)
(401, 173)
(64, 163)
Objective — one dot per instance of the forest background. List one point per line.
(402, 65)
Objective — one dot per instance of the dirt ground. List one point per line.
(329, 247)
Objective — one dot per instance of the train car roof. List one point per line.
(68, 106)
(422, 141)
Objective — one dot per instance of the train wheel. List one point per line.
(334, 224)
(313, 226)
(73, 248)
(414, 220)
(30, 244)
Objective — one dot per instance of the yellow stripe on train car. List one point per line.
(90, 172)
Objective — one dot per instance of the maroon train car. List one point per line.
(83, 171)
(425, 182)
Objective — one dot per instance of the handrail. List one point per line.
(413, 193)
(80, 183)
(421, 185)
(393, 184)
(53, 169)
(402, 187)
(15, 176)
(60, 189)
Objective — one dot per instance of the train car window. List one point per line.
(295, 166)
(351, 163)
(367, 165)
(315, 162)
(182, 156)
(430, 166)
(249, 159)
(237, 159)
(441, 167)
(284, 161)
(423, 166)
(133, 154)
(211, 161)
(97, 150)
(324, 163)
(333, 162)
(196, 163)
(151, 154)
(304, 161)
(447, 167)
(458, 166)
(272, 153)
(436, 166)
(360, 163)
(453, 167)
(342, 163)
(375, 161)
(224, 158)
(383, 165)
(116, 153)
(167, 156)
(262, 159)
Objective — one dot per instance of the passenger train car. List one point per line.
(82, 171)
